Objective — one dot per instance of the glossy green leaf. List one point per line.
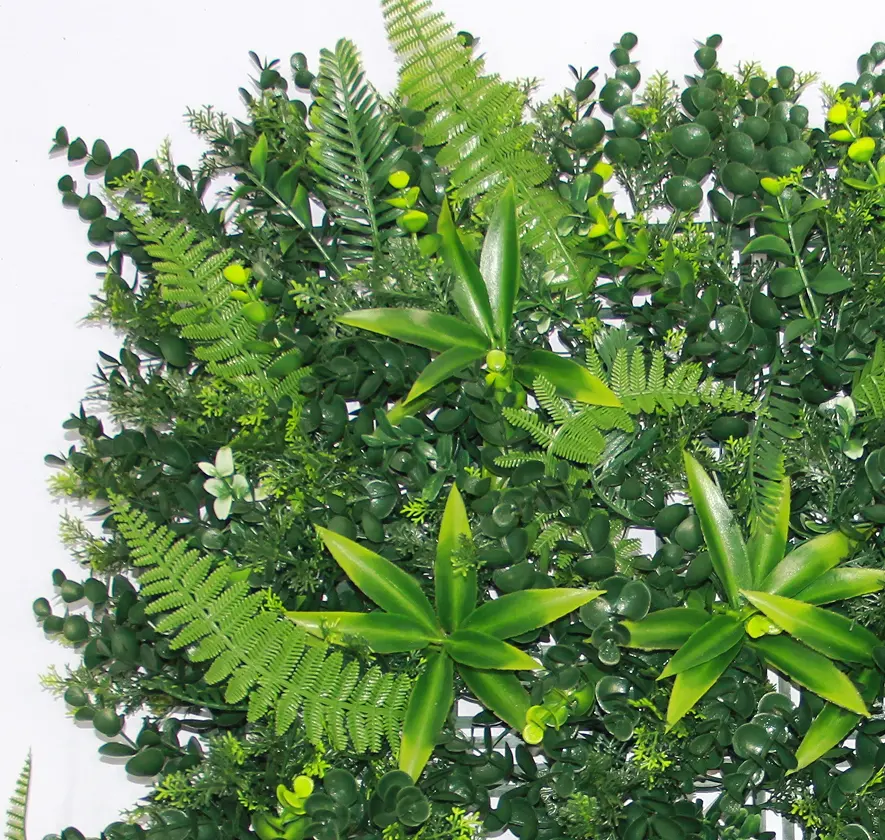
(805, 564)
(824, 631)
(690, 686)
(810, 670)
(455, 583)
(720, 634)
(768, 244)
(258, 157)
(417, 326)
(448, 362)
(500, 692)
(519, 612)
(381, 631)
(429, 705)
(666, 629)
(470, 292)
(829, 280)
(766, 546)
(387, 585)
(480, 650)
(841, 584)
(572, 381)
(499, 263)
(834, 724)
(721, 532)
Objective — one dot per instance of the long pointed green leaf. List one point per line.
(666, 629)
(381, 631)
(387, 585)
(470, 292)
(429, 705)
(417, 326)
(841, 584)
(442, 367)
(499, 263)
(572, 381)
(810, 670)
(834, 724)
(519, 612)
(767, 545)
(692, 685)
(479, 650)
(500, 692)
(455, 584)
(824, 631)
(720, 634)
(722, 533)
(805, 564)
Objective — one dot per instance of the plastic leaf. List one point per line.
(258, 157)
(417, 326)
(572, 381)
(721, 532)
(429, 705)
(382, 632)
(224, 461)
(805, 564)
(479, 650)
(442, 367)
(499, 263)
(824, 631)
(455, 585)
(500, 693)
(841, 584)
(470, 292)
(810, 670)
(693, 684)
(387, 585)
(718, 635)
(768, 244)
(767, 545)
(519, 612)
(666, 629)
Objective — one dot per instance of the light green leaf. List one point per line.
(258, 157)
(834, 724)
(479, 650)
(721, 532)
(442, 367)
(666, 629)
(768, 244)
(455, 585)
(805, 564)
(470, 294)
(572, 381)
(810, 670)
(767, 545)
(499, 263)
(824, 631)
(387, 585)
(720, 634)
(381, 631)
(500, 692)
(841, 584)
(690, 686)
(519, 612)
(417, 326)
(429, 705)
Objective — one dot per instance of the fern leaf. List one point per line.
(17, 813)
(869, 386)
(349, 148)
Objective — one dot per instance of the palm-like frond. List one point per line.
(16, 815)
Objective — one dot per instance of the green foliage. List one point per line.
(869, 387)
(254, 649)
(17, 812)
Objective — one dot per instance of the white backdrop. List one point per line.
(126, 71)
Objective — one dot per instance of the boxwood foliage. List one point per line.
(385, 360)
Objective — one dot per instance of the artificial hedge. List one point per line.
(402, 378)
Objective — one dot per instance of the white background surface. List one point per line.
(126, 71)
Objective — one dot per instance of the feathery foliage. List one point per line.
(477, 119)
(17, 813)
(869, 387)
(283, 671)
(350, 147)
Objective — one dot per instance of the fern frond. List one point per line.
(17, 812)
(476, 118)
(542, 433)
(549, 400)
(869, 385)
(349, 147)
(258, 652)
